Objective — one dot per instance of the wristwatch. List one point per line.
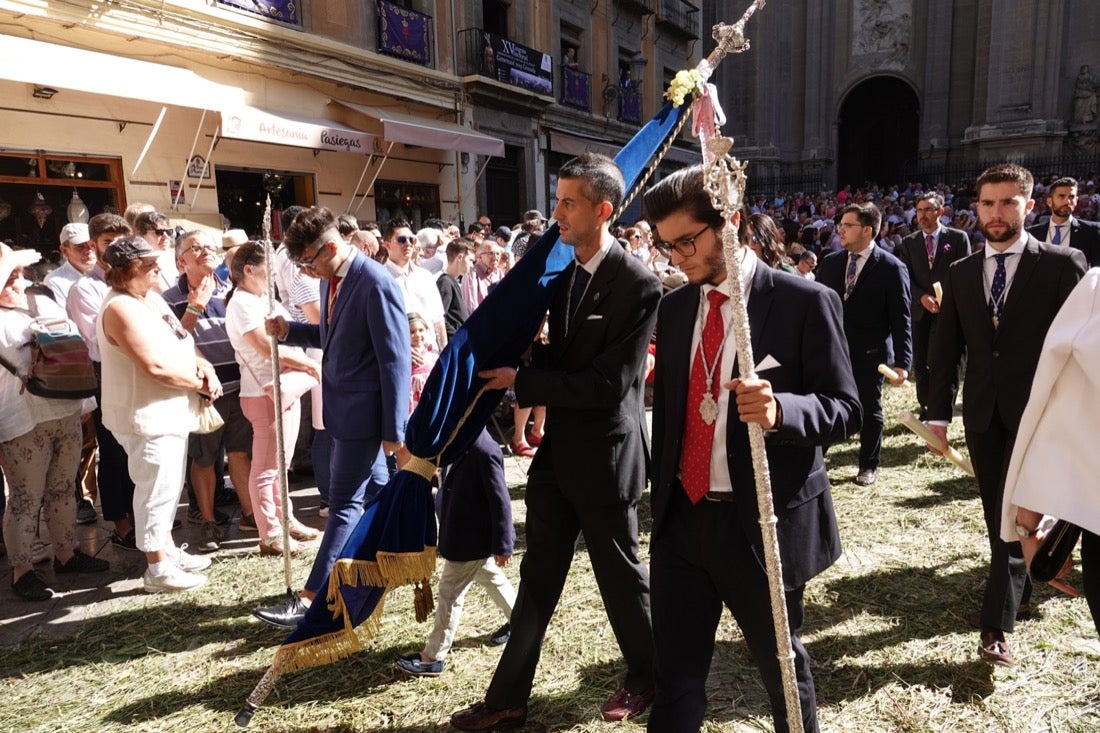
(1023, 532)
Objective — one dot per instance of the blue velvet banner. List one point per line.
(632, 106)
(285, 11)
(404, 33)
(575, 90)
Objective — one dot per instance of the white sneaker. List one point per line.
(173, 580)
(186, 561)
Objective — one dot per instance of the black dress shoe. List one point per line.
(482, 717)
(287, 614)
(501, 635)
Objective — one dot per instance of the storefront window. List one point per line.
(414, 202)
(242, 197)
(39, 194)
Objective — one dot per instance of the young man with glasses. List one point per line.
(706, 547)
(366, 374)
(874, 287)
(418, 285)
(154, 228)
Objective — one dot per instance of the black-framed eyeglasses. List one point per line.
(304, 262)
(684, 246)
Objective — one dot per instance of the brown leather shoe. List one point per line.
(626, 704)
(994, 649)
(482, 717)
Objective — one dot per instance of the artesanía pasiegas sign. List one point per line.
(247, 123)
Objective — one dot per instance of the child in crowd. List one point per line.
(475, 540)
(423, 358)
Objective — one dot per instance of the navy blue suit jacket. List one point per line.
(1084, 235)
(799, 324)
(367, 367)
(476, 515)
(876, 315)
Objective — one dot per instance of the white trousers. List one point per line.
(156, 467)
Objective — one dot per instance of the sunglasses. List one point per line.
(163, 232)
(403, 239)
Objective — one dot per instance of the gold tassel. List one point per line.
(423, 602)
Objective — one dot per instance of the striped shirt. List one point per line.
(210, 335)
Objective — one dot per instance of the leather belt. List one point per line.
(719, 496)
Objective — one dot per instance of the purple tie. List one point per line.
(930, 245)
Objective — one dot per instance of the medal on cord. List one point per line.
(708, 406)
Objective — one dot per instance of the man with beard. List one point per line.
(1064, 228)
(706, 543)
(997, 306)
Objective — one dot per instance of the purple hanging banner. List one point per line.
(285, 11)
(404, 33)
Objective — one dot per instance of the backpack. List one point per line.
(60, 365)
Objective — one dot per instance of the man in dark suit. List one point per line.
(590, 469)
(875, 289)
(926, 254)
(1063, 228)
(706, 543)
(998, 305)
(365, 380)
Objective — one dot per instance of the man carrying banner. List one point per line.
(590, 470)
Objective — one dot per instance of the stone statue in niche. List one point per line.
(1084, 97)
(882, 28)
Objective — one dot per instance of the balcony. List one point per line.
(630, 106)
(404, 33)
(679, 17)
(645, 7)
(495, 57)
(576, 89)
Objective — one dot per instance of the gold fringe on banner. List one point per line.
(421, 467)
(406, 568)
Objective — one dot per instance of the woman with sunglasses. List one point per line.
(152, 381)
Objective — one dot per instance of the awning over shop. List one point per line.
(257, 125)
(402, 128)
(64, 67)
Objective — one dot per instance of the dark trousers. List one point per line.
(116, 490)
(922, 334)
(1090, 574)
(322, 455)
(1007, 585)
(869, 387)
(700, 562)
(554, 524)
(353, 465)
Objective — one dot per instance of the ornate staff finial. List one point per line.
(730, 39)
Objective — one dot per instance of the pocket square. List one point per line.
(594, 317)
(769, 362)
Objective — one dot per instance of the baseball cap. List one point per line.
(127, 249)
(504, 233)
(532, 216)
(74, 233)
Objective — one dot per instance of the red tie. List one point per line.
(698, 435)
(333, 282)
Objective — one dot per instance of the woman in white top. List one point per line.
(39, 443)
(244, 322)
(151, 381)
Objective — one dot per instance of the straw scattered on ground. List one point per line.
(885, 627)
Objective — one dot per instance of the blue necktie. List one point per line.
(850, 276)
(1057, 234)
(576, 293)
(997, 289)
